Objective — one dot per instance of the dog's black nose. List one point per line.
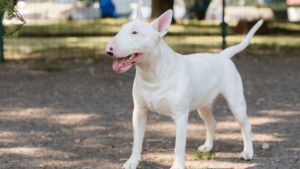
(111, 49)
(110, 53)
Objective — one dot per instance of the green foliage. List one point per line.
(189, 2)
(10, 13)
(277, 51)
(12, 32)
(204, 156)
(8, 7)
(280, 5)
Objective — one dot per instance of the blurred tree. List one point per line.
(88, 3)
(159, 7)
(200, 8)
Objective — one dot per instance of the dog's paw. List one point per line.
(177, 167)
(178, 163)
(205, 148)
(246, 155)
(132, 163)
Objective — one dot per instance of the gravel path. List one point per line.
(81, 118)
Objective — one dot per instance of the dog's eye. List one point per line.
(134, 32)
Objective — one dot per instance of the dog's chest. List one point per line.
(159, 104)
(155, 99)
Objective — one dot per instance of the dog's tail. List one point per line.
(231, 51)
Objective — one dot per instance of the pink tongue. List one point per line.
(118, 63)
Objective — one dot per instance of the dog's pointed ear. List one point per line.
(163, 23)
(139, 14)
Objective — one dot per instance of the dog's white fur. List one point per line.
(173, 85)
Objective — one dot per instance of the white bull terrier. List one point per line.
(173, 85)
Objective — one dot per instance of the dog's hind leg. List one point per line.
(234, 96)
(210, 123)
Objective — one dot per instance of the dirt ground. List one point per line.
(81, 118)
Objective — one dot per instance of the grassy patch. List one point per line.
(173, 41)
(280, 5)
(113, 26)
(72, 47)
(50, 68)
(204, 156)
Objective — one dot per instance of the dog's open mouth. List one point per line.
(122, 64)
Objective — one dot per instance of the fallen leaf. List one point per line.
(77, 140)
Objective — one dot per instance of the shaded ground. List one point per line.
(81, 118)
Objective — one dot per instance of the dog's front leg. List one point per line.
(181, 129)
(139, 120)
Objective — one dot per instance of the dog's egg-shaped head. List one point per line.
(136, 40)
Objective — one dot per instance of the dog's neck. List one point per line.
(159, 63)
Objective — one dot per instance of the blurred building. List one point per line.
(44, 11)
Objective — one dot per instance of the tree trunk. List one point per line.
(161, 6)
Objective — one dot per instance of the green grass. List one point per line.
(208, 39)
(204, 156)
(176, 42)
(89, 46)
(112, 26)
(292, 26)
(280, 5)
(82, 26)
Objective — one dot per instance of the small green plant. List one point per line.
(269, 57)
(277, 51)
(50, 68)
(11, 13)
(204, 156)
